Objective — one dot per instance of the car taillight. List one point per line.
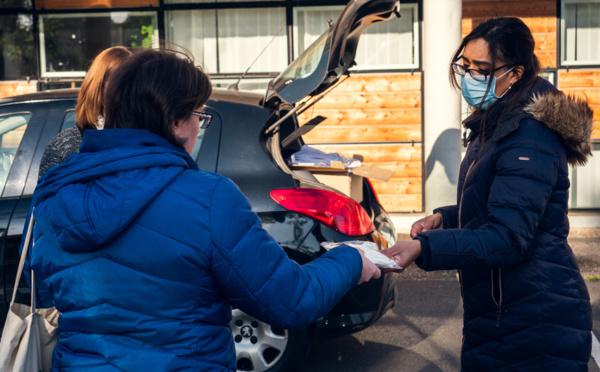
(334, 210)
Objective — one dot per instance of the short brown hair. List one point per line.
(90, 103)
(152, 89)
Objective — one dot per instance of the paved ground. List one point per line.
(423, 331)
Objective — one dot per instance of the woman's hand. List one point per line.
(369, 270)
(431, 222)
(404, 252)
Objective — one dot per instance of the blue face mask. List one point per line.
(474, 90)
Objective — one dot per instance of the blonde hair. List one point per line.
(90, 104)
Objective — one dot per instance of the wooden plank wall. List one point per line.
(584, 83)
(377, 116)
(65, 4)
(538, 15)
(15, 88)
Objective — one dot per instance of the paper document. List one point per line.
(370, 250)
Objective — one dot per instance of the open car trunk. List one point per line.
(318, 70)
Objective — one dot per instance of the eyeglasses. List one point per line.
(477, 74)
(204, 118)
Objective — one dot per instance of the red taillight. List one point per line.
(334, 210)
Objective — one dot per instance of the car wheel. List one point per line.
(261, 347)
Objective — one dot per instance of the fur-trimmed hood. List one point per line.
(570, 117)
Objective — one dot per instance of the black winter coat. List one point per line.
(526, 306)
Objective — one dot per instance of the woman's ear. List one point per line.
(516, 74)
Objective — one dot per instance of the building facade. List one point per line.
(379, 112)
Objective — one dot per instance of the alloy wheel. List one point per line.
(258, 345)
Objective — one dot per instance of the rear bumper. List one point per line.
(360, 307)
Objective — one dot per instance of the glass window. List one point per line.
(248, 85)
(386, 45)
(68, 120)
(15, 4)
(12, 129)
(585, 193)
(230, 40)
(580, 32)
(16, 47)
(69, 42)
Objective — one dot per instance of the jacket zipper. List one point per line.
(462, 194)
(497, 302)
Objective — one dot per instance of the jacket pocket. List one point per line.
(497, 295)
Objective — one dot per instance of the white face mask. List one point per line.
(100, 122)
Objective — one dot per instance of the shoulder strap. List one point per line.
(24, 253)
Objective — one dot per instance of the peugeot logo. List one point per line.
(246, 331)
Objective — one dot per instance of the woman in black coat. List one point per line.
(526, 306)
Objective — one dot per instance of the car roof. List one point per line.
(246, 98)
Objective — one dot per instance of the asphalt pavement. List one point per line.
(424, 329)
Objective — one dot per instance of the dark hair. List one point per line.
(153, 88)
(510, 40)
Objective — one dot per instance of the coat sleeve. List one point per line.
(256, 276)
(523, 183)
(449, 216)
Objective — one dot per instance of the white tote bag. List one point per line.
(29, 334)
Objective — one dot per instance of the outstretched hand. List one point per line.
(404, 252)
(431, 222)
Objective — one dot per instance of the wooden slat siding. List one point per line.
(403, 192)
(64, 4)
(15, 88)
(586, 84)
(370, 108)
(538, 15)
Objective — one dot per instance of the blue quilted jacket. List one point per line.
(526, 306)
(144, 255)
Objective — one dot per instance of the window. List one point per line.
(229, 40)
(17, 57)
(585, 193)
(68, 120)
(69, 42)
(580, 32)
(388, 45)
(248, 85)
(15, 4)
(12, 129)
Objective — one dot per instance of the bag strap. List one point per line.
(22, 263)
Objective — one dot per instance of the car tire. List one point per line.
(260, 347)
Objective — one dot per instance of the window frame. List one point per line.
(563, 62)
(62, 15)
(416, 29)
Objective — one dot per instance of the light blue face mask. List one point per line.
(474, 90)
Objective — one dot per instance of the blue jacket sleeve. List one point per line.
(256, 276)
(516, 202)
(449, 216)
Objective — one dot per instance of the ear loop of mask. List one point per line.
(509, 87)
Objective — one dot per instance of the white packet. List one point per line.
(370, 250)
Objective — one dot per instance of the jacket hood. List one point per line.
(571, 117)
(90, 199)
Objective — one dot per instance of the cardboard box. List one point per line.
(347, 183)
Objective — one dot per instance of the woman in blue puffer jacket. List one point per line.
(526, 306)
(144, 255)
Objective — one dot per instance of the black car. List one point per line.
(249, 140)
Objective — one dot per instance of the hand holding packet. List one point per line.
(371, 251)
